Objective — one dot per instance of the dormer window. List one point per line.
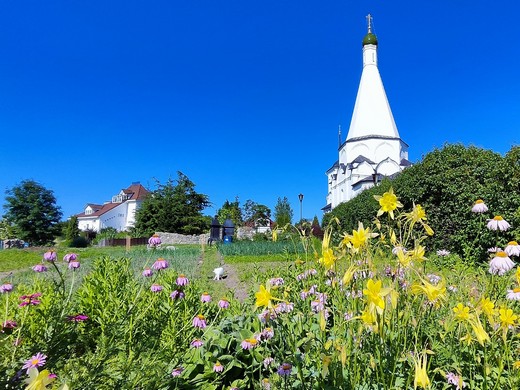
(88, 211)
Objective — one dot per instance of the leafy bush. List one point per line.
(79, 242)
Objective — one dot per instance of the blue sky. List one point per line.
(244, 97)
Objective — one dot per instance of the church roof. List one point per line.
(372, 116)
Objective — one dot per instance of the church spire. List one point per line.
(372, 115)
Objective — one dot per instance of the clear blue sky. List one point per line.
(244, 97)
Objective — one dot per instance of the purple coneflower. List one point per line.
(249, 343)
(454, 379)
(177, 371)
(30, 299)
(197, 343)
(267, 334)
(223, 303)
(78, 318)
(70, 257)
(39, 268)
(160, 264)
(199, 321)
(74, 264)
(37, 360)
(182, 280)
(156, 287)
(155, 240)
(268, 361)
(498, 223)
(479, 207)
(147, 272)
(50, 256)
(5, 288)
(284, 369)
(177, 294)
(8, 326)
(205, 297)
(276, 282)
(218, 367)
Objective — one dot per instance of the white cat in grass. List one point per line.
(218, 273)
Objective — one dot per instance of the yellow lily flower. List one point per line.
(461, 312)
(434, 293)
(375, 294)
(421, 376)
(264, 297)
(388, 203)
(38, 380)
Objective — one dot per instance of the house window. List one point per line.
(88, 211)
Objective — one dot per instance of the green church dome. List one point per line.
(370, 39)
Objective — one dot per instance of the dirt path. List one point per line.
(232, 281)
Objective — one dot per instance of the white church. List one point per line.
(373, 148)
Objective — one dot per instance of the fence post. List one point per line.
(128, 242)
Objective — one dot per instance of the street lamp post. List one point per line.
(300, 197)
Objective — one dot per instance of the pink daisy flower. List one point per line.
(30, 299)
(284, 369)
(78, 318)
(147, 272)
(177, 371)
(249, 343)
(37, 360)
(156, 287)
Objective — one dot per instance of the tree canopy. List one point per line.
(32, 209)
(283, 212)
(232, 211)
(173, 207)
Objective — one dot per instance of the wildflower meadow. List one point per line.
(367, 309)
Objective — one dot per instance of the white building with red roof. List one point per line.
(119, 213)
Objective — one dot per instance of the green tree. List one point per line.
(32, 209)
(174, 207)
(71, 229)
(7, 230)
(256, 214)
(230, 210)
(283, 212)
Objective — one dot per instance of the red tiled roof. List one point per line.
(135, 192)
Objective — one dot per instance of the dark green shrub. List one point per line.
(79, 242)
